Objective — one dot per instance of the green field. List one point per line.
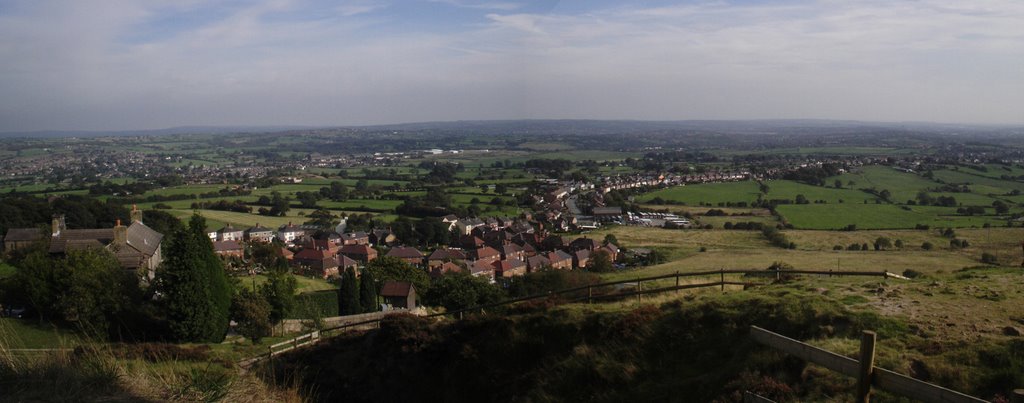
(216, 219)
(713, 193)
(996, 171)
(878, 216)
(186, 190)
(979, 184)
(823, 151)
(357, 204)
(747, 191)
(39, 187)
(541, 146)
(305, 284)
(902, 185)
(718, 222)
(788, 190)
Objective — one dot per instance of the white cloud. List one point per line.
(481, 5)
(930, 60)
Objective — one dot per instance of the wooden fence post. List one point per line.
(638, 290)
(722, 273)
(590, 294)
(677, 281)
(867, 365)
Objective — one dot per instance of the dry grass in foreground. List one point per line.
(129, 373)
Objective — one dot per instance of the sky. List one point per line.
(128, 64)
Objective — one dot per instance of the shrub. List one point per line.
(927, 246)
(324, 303)
(989, 258)
(777, 238)
(957, 243)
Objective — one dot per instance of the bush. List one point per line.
(549, 280)
(837, 247)
(927, 246)
(324, 303)
(911, 273)
(777, 238)
(989, 258)
(460, 290)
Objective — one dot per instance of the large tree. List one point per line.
(279, 291)
(368, 292)
(252, 313)
(349, 294)
(461, 290)
(194, 287)
(392, 268)
(86, 288)
(600, 262)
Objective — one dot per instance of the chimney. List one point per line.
(120, 234)
(57, 225)
(136, 214)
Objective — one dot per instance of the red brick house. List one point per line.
(321, 262)
(538, 262)
(355, 238)
(560, 260)
(580, 259)
(408, 254)
(482, 269)
(361, 253)
(487, 253)
(445, 268)
(613, 251)
(442, 255)
(228, 249)
(509, 268)
(584, 244)
(512, 251)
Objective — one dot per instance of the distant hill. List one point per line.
(581, 127)
(766, 126)
(154, 132)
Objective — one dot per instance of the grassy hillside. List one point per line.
(691, 348)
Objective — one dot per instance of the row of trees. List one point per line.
(357, 295)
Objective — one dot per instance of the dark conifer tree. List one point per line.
(349, 294)
(368, 293)
(195, 290)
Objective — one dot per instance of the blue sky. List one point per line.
(122, 64)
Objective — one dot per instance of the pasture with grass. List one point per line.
(943, 212)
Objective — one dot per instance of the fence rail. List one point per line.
(306, 339)
(294, 343)
(880, 378)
